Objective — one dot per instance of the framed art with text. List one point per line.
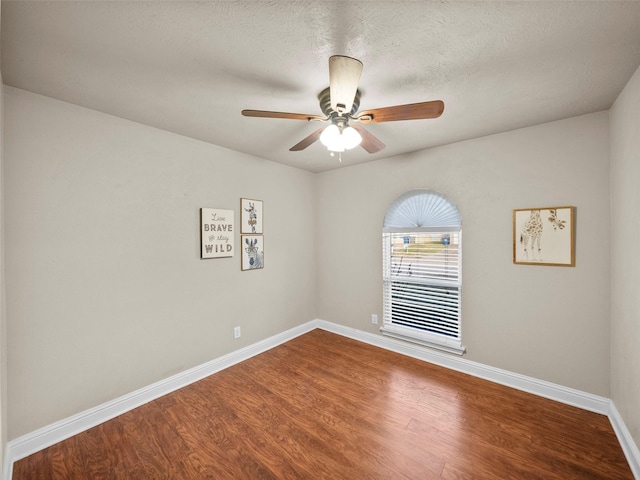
(216, 233)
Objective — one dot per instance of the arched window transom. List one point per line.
(422, 252)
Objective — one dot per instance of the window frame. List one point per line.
(426, 224)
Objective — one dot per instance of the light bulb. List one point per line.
(332, 139)
(329, 135)
(337, 146)
(339, 142)
(350, 138)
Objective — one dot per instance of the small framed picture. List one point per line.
(216, 233)
(252, 252)
(544, 236)
(251, 216)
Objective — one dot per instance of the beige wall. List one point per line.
(625, 260)
(106, 290)
(107, 294)
(550, 323)
(3, 316)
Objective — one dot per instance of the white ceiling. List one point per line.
(191, 67)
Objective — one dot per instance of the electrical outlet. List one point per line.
(374, 318)
(236, 332)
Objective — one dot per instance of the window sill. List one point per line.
(409, 335)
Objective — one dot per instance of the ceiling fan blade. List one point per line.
(369, 142)
(344, 75)
(411, 111)
(305, 142)
(285, 115)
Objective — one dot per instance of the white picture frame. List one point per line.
(217, 233)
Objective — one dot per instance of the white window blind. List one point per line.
(421, 270)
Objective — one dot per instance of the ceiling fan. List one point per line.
(340, 102)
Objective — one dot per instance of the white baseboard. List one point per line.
(44, 437)
(549, 390)
(569, 396)
(629, 447)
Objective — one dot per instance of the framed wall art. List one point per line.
(216, 233)
(252, 252)
(544, 236)
(250, 216)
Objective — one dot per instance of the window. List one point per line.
(422, 246)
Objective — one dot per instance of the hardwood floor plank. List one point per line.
(337, 430)
(322, 406)
(220, 444)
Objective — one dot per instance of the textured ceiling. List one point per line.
(191, 67)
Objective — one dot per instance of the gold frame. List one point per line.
(529, 240)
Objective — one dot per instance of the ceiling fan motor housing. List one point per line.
(325, 103)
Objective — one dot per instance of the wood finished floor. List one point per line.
(326, 407)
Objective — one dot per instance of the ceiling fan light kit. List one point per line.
(340, 102)
(338, 141)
